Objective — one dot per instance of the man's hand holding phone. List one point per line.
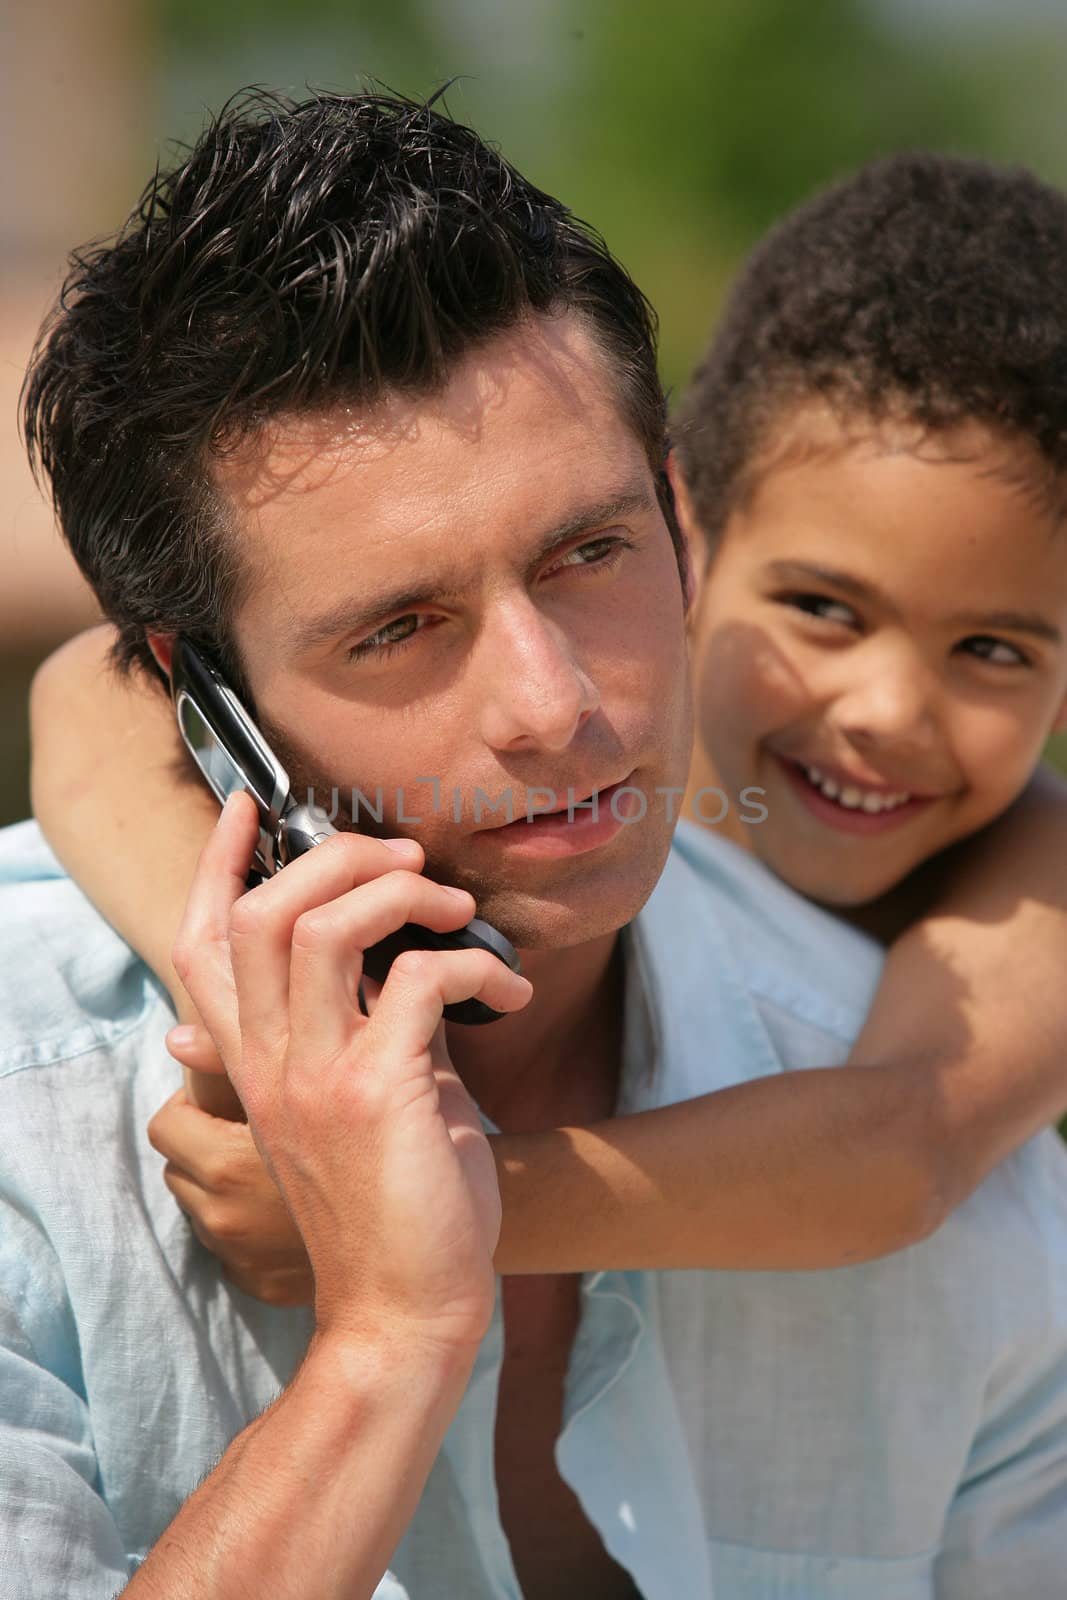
(376, 1147)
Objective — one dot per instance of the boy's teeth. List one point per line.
(853, 798)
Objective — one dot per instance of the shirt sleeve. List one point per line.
(1006, 1532)
(57, 1535)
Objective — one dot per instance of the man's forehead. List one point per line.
(550, 369)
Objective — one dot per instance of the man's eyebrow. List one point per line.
(352, 614)
(1030, 622)
(637, 497)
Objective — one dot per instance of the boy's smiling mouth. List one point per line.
(836, 799)
(853, 793)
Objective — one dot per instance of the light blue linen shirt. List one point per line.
(893, 1431)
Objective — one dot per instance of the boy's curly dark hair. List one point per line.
(301, 254)
(928, 288)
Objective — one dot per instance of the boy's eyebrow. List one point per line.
(1011, 621)
(812, 572)
(351, 614)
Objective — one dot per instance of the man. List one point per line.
(413, 508)
(462, 442)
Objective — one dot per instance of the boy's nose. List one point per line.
(535, 694)
(891, 703)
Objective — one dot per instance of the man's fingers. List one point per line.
(235, 942)
(261, 924)
(326, 961)
(201, 948)
(422, 982)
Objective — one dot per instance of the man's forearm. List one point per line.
(313, 1497)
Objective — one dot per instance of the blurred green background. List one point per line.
(681, 128)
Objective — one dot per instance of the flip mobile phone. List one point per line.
(231, 753)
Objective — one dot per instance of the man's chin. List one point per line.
(574, 911)
(551, 927)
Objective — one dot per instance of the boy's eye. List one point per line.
(393, 636)
(997, 651)
(823, 607)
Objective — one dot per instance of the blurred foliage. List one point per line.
(681, 129)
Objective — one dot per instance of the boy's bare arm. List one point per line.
(963, 1057)
(973, 989)
(119, 802)
(116, 794)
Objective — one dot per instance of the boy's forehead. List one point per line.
(800, 432)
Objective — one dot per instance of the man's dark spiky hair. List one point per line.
(926, 287)
(299, 254)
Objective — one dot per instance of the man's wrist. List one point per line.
(405, 1365)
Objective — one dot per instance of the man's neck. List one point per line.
(558, 1060)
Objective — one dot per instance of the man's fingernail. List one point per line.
(181, 1037)
(458, 894)
(401, 846)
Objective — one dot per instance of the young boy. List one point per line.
(871, 459)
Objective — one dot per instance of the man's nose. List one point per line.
(890, 701)
(533, 692)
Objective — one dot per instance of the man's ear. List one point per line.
(162, 647)
(1060, 724)
(692, 533)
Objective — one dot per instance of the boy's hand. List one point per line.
(364, 1125)
(204, 1076)
(217, 1176)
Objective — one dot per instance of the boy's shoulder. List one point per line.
(796, 984)
(806, 969)
(68, 983)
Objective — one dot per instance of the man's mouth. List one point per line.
(578, 802)
(570, 829)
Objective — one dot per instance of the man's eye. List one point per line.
(595, 553)
(821, 606)
(997, 651)
(392, 637)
